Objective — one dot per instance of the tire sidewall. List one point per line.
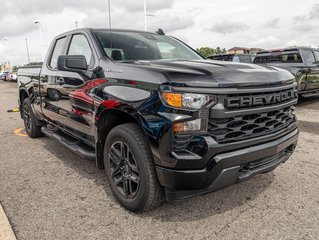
(35, 130)
(119, 134)
(27, 102)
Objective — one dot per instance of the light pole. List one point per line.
(26, 44)
(9, 53)
(40, 29)
(76, 24)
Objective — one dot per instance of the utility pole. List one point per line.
(26, 44)
(76, 24)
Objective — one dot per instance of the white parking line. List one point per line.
(6, 232)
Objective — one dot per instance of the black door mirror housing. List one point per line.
(72, 63)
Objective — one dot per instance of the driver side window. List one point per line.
(80, 46)
(309, 58)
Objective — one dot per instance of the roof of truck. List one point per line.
(294, 48)
(89, 30)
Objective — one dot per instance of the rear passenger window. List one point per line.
(317, 55)
(80, 46)
(308, 56)
(58, 48)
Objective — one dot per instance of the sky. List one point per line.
(264, 24)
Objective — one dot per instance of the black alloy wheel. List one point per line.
(130, 168)
(124, 170)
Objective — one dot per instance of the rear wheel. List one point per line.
(130, 169)
(30, 125)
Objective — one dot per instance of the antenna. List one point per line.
(110, 22)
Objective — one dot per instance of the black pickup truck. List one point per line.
(302, 62)
(161, 120)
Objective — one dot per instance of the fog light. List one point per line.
(194, 125)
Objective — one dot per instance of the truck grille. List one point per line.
(225, 130)
(246, 101)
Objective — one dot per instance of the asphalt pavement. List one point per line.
(48, 192)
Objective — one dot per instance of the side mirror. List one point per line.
(72, 63)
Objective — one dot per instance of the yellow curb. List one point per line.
(18, 132)
(6, 232)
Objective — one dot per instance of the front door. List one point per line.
(312, 81)
(75, 104)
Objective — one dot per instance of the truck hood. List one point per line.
(210, 73)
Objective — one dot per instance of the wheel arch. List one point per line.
(106, 120)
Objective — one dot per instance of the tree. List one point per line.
(206, 51)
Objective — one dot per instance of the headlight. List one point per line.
(185, 100)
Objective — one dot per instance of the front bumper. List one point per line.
(227, 168)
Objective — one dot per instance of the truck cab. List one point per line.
(302, 62)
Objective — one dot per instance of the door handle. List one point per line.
(60, 81)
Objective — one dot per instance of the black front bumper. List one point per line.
(228, 168)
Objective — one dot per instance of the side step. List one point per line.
(71, 143)
(311, 93)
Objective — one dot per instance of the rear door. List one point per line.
(49, 81)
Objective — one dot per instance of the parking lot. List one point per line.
(48, 192)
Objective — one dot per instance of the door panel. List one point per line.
(49, 97)
(75, 104)
(312, 81)
(48, 83)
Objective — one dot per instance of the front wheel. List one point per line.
(30, 125)
(130, 169)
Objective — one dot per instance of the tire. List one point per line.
(29, 119)
(130, 169)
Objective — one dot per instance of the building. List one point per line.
(243, 50)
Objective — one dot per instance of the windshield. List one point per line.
(279, 57)
(123, 46)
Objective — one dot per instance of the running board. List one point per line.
(71, 143)
(313, 93)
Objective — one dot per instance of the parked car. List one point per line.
(161, 120)
(302, 62)
(244, 58)
(4, 76)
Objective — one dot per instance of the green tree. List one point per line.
(206, 51)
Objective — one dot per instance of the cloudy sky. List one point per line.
(225, 23)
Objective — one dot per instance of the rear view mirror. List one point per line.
(72, 63)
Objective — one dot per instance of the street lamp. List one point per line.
(9, 50)
(40, 29)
